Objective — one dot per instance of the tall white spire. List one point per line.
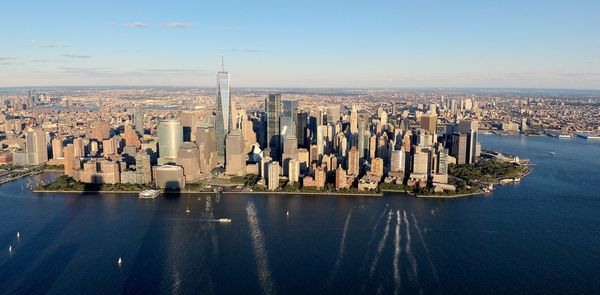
(222, 63)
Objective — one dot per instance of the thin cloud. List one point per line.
(137, 25)
(6, 58)
(47, 60)
(253, 50)
(177, 25)
(52, 46)
(76, 56)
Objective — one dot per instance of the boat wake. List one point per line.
(407, 247)
(340, 255)
(420, 234)
(396, 262)
(380, 247)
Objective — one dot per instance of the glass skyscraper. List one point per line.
(223, 118)
(273, 109)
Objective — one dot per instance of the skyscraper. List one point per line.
(37, 149)
(363, 124)
(170, 137)
(223, 111)
(138, 120)
(273, 110)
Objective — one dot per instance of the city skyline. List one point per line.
(302, 45)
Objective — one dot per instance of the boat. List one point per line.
(287, 213)
(120, 261)
(9, 248)
(18, 235)
(187, 210)
(516, 179)
(552, 153)
(149, 194)
(224, 220)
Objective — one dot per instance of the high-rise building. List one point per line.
(377, 167)
(333, 113)
(273, 175)
(301, 129)
(69, 154)
(207, 146)
(429, 122)
(169, 177)
(143, 167)
(235, 157)
(223, 113)
(397, 161)
(138, 120)
(363, 134)
(273, 110)
(100, 131)
(470, 127)
(354, 120)
(36, 147)
(188, 159)
(458, 149)
(57, 148)
(353, 161)
(293, 170)
(170, 137)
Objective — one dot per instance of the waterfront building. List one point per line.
(223, 110)
(188, 159)
(170, 137)
(169, 177)
(69, 155)
(273, 175)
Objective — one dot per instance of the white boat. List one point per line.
(149, 194)
(9, 248)
(224, 220)
(18, 235)
(187, 210)
(120, 261)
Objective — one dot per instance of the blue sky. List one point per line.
(521, 44)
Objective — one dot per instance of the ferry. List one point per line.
(149, 194)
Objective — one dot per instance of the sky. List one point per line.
(321, 44)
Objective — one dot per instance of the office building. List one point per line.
(170, 137)
(223, 112)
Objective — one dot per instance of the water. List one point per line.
(539, 236)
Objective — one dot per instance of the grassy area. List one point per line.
(486, 170)
(67, 183)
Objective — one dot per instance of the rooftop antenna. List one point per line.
(222, 63)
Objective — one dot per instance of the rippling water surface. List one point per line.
(539, 236)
